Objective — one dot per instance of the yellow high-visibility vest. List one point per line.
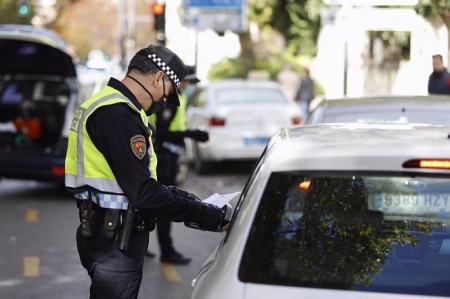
(85, 164)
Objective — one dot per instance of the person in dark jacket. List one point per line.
(170, 132)
(439, 80)
(111, 170)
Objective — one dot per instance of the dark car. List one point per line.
(38, 91)
(431, 109)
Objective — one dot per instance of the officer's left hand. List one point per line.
(198, 135)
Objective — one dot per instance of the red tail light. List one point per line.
(58, 170)
(216, 122)
(296, 120)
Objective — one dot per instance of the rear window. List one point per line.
(249, 95)
(425, 115)
(377, 233)
(16, 92)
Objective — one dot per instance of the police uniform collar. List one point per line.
(120, 87)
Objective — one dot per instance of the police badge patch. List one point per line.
(138, 146)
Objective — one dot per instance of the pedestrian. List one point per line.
(111, 171)
(306, 92)
(169, 143)
(439, 80)
(289, 80)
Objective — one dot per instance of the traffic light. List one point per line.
(159, 13)
(23, 8)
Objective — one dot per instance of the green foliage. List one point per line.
(297, 20)
(8, 13)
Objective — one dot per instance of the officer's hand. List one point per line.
(198, 135)
(214, 219)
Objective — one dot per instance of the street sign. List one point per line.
(218, 15)
(372, 2)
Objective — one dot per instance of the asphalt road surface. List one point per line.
(38, 255)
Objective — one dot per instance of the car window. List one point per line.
(249, 95)
(379, 233)
(437, 116)
(15, 92)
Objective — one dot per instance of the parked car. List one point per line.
(39, 93)
(430, 109)
(339, 211)
(240, 116)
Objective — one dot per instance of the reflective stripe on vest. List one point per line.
(96, 172)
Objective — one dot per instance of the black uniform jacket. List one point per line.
(111, 129)
(164, 119)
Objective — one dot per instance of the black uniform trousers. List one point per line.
(167, 169)
(114, 273)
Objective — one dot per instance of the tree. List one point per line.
(87, 25)
(436, 10)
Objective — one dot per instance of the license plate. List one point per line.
(256, 141)
(419, 203)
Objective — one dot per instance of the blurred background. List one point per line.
(353, 47)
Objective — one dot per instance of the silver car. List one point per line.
(340, 211)
(240, 116)
(430, 109)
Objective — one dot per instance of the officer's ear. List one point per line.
(159, 75)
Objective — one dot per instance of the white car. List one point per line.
(340, 211)
(240, 116)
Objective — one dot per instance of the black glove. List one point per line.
(212, 219)
(198, 135)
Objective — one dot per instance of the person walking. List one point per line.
(111, 170)
(170, 132)
(289, 80)
(439, 80)
(306, 92)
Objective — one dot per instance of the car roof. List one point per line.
(385, 100)
(32, 50)
(356, 146)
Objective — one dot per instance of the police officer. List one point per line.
(169, 142)
(111, 170)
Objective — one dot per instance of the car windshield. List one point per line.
(378, 233)
(16, 92)
(249, 95)
(437, 116)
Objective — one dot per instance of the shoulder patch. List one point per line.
(138, 146)
(167, 114)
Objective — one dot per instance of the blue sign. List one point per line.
(213, 3)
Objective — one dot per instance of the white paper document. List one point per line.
(221, 199)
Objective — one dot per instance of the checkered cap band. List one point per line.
(166, 69)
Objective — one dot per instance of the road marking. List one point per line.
(32, 215)
(30, 266)
(170, 272)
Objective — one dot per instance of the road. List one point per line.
(38, 252)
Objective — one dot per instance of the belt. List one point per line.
(104, 200)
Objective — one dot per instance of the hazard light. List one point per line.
(304, 185)
(428, 163)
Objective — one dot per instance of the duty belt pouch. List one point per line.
(111, 225)
(141, 223)
(88, 218)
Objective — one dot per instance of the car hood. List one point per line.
(27, 50)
